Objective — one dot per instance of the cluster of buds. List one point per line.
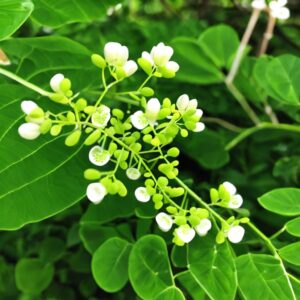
(277, 8)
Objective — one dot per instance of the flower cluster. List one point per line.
(136, 143)
(277, 8)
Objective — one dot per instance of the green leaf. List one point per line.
(220, 44)
(170, 293)
(283, 201)
(32, 276)
(179, 256)
(59, 13)
(288, 168)
(149, 267)
(195, 66)
(187, 280)
(34, 180)
(261, 276)
(110, 264)
(293, 227)
(212, 266)
(51, 249)
(290, 253)
(212, 155)
(13, 13)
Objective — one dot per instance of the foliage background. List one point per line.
(52, 41)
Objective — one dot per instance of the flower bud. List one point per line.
(29, 131)
(236, 234)
(92, 174)
(141, 194)
(92, 138)
(73, 138)
(98, 61)
(147, 91)
(56, 81)
(28, 106)
(115, 54)
(55, 130)
(130, 68)
(164, 221)
(203, 227)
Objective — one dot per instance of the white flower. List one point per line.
(133, 173)
(29, 131)
(130, 67)
(203, 227)
(99, 156)
(152, 110)
(28, 106)
(101, 116)
(185, 233)
(236, 234)
(164, 221)
(278, 9)
(160, 56)
(236, 200)
(259, 4)
(184, 104)
(115, 54)
(141, 194)
(96, 192)
(141, 120)
(199, 127)
(56, 81)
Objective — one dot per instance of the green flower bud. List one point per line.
(136, 147)
(55, 130)
(98, 61)
(190, 125)
(180, 220)
(158, 205)
(147, 91)
(123, 165)
(88, 130)
(220, 238)
(122, 188)
(149, 182)
(184, 133)
(89, 109)
(59, 98)
(120, 73)
(36, 113)
(147, 138)
(171, 210)
(81, 104)
(145, 65)
(224, 194)
(175, 163)
(167, 103)
(150, 190)
(162, 181)
(194, 220)
(177, 241)
(155, 141)
(164, 112)
(214, 195)
(118, 113)
(93, 138)
(121, 154)
(73, 138)
(244, 220)
(147, 174)
(157, 197)
(46, 126)
(69, 93)
(65, 85)
(147, 130)
(202, 213)
(71, 116)
(136, 135)
(92, 174)
(173, 152)
(127, 126)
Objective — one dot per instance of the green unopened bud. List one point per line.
(71, 116)
(162, 181)
(214, 195)
(88, 130)
(158, 205)
(167, 103)
(194, 220)
(120, 73)
(73, 138)
(167, 73)
(171, 210)
(145, 65)
(89, 109)
(92, 174)
(177, 192)
(173, 152)
(118, 113)
(55, 130)
(180, 220)
(149, 182)
(65, 85)
(244, 220)
(202, 213)
(223, 193)
(157, 197)
(220, 238)
(147, 138)
(155, 141)
(92, 138)
(98, 61)
(184, 133)
(81, 104)
(46, 126)
(112, 148)
(147, 91)
(164, 112)
(122, 188)
(123, 165)
(136, 147)
(36, 113)
(190, 125)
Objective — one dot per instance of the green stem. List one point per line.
(243, 102)
(222, 123)
(278, 233)
(24, 82)
(247, 132)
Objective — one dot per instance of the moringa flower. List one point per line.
(99, 156)
(236, 200)
(259, 4)
(96, 192)
(185, 233)
(164, 221)
(101, 116)
(29, 131)
(56, 81)
(133, 173)
(203, 227)
(278, 9)
(235, 234)
(141, 194)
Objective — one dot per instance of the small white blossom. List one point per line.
(184, 104)
(199, 127)
(259, 4)
(160, 56)
(236, 234)
(164, 221)
(96, 192)
(139, 120)
(141, 194)
(28, 106)
(29, 131)
(185, 233)
(236, 200)
(133, 173)
(130, 67)
(203, 227)
(56, 81)
(99, 156)
(101, 116)
(115, 54)
(278, 9)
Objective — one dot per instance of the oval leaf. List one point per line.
(283, 201)
(290, 253)
(293, 227)
(170, 293)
